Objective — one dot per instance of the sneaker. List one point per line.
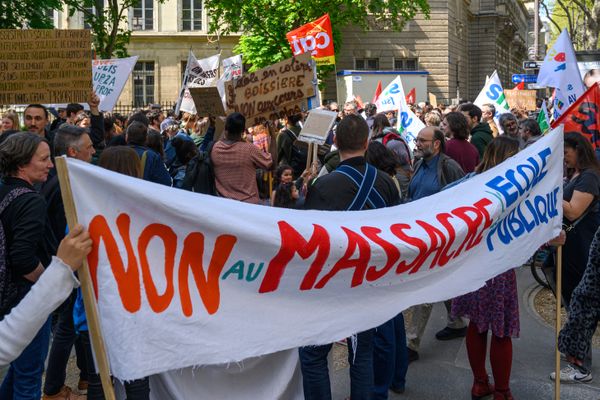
(572, 374)
(450, 333)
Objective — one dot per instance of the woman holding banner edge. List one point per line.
(495, 306)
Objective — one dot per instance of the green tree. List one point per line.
(109, 25)
(27, 13)
(580, 17)
(264, 23)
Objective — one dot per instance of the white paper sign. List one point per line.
(109, 78)
(198, 73)
(193, 285)
(317, 126)
(232, 67)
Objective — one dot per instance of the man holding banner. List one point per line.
(353, 186)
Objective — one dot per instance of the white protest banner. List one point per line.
(198, 73)
(317, 126)
(232, 67)
(492, 93)
(226, 281)
(109, 78)
(392, 98)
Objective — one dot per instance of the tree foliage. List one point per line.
(109, 25)
(264, 23)
(27, 13)
(580, 17)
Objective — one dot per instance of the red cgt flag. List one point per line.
(315, 37)
(378, 91)
(411, 97)
(583, 116)
(520, 86)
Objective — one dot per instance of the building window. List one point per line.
(91, 10)
(366, 64)
(143, 83)
(143, 16)
(191, 15)
(406, 64)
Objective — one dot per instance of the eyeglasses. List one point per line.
(421, 140)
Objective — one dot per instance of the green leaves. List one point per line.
(264, 23)
(27, 13)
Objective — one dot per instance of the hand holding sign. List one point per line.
(94, 103)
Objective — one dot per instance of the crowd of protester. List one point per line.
(267, 164)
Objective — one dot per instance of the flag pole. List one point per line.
(89, 300)
(558, 321)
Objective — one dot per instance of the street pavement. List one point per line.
(443, 372)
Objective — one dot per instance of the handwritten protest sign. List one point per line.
(109, 77)
(45, 66)
(207, 101)
(198, 73)
(181, 287)
(272, 92)
(522, 99)
(317, 126)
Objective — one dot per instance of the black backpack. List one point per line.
(200, 175)
(299, 154)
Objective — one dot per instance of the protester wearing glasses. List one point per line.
(433, 171)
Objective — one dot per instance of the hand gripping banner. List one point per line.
(185, 279)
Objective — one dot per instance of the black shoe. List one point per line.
(397, 390)
(449, 333)
(412, 356)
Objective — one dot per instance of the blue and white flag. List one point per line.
(560, 70)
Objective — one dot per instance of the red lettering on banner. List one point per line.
(392, 253)
(474, 235)
(128, 280)
(208, 284)
(398, 231)
(292, 242)
(158, 302)
(359, 264)
(436, 246)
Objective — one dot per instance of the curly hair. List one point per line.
(283, 196)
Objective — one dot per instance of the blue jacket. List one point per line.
(154, 168)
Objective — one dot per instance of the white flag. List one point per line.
(198, 73)
(392, 97)
(409, 126)
(232, 67)
(493, 93)
(559, 70)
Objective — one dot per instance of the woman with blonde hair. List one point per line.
(10, 121)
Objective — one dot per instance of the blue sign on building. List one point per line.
(518, 78)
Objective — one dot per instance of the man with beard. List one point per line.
(433, 171)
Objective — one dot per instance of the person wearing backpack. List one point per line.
(354, 185)
(24, 250)
(235, 161)
(289, 151)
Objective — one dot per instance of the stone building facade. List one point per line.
(461, 43)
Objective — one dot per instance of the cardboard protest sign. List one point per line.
(316, 37)
(207, 101)
(45, 66)
(433, 100)
(181, 286)
(522, 99)
(584, 116)
(272, 92)
(109, 77)
(317, 126)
